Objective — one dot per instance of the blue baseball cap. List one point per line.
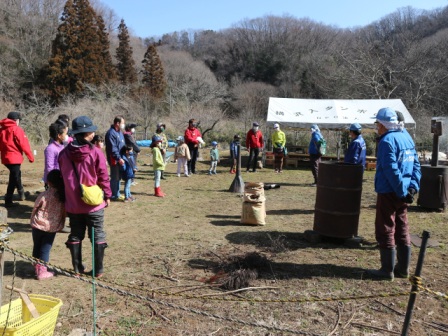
(386, 114)
(355, 127)
(83, 124)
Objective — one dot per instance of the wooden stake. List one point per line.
(26, 299)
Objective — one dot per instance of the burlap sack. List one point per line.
(256, 189)
(254, 213)
(254, 197)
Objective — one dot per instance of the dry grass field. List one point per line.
(168, 257)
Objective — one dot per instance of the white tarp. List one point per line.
(331, 113)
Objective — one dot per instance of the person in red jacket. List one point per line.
(254, 144)
(193, 138)
(13, 143)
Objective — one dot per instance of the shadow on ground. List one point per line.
(289, 240)
(290, 270)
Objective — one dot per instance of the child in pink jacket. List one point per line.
(47, 218)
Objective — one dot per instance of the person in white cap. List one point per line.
(313, 151)
(397, 180)
(356, 151)
(278, 145)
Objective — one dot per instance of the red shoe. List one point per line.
(158, 192)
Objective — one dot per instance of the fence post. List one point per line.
(3, 222)
(413, 295)
(93, 282)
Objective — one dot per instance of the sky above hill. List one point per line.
(147, 18)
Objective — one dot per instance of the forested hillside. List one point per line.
(214, 76)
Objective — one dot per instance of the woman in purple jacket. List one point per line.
(90, 165)
(58, 135)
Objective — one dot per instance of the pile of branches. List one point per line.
(238, 271)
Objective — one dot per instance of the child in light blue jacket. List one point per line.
(214, 158)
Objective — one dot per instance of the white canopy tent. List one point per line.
(331, 114)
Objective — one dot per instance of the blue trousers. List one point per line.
(43, 241)
(115, 180)
(127, 188)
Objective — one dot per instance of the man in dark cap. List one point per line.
(193, 139)
(254, 144)
(13, 143)
(356, 151)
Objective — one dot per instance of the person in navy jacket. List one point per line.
(114, 143)
(356, 151)
(397, 180)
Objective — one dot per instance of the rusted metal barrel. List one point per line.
(338, 199)
(433, 187)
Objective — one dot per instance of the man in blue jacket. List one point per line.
(313, 151)
(397, 180)
(356, 151)
(114, 141)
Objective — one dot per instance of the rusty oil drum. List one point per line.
(338, 199)
(433, 187)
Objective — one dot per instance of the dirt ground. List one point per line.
(168, 257)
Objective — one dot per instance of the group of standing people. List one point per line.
(74, 159)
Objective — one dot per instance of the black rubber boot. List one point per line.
(401, 269)
(76, 252)
(9, 203)
(99, 256)
(22, 196)
(386, 272)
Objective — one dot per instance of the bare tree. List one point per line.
(27, 28)
(251, 99)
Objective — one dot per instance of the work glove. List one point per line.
(409, 198)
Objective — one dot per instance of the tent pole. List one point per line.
(338, 145)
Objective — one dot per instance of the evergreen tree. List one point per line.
(153, 73)
(78, 55)
(126, 65)
(109, 67)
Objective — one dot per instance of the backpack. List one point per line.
(322, 146)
